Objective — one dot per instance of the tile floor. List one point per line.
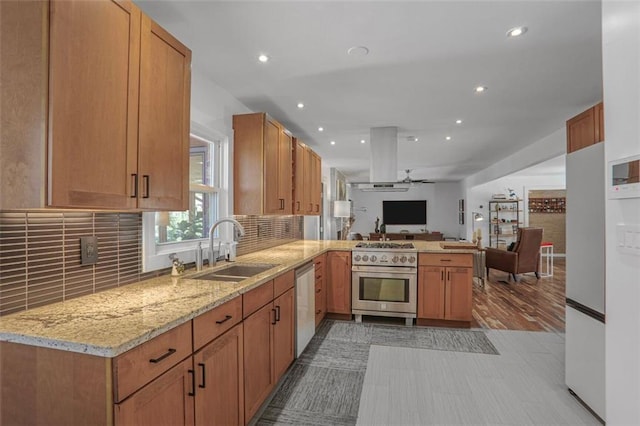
(524, 385)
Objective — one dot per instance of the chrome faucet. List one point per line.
(238, 232)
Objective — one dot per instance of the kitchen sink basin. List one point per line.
(235, 273)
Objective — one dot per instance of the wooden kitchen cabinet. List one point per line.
(219, 374)
(262, 165)
(307, 180)
(268, 339)
(167, 400)
(320, 288)
(445, 288)
(116, 87)
(339, 283)
(586, 128)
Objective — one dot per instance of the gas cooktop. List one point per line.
(385, 245)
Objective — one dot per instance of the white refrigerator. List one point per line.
(585, 282)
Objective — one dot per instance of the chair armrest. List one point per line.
(501, 259)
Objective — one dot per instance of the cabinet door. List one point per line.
(272, 202)
(283, 333)
(299, 189)
(458, 294)
(258, 350)
(339, 282)
(165, 90)
(93, 103)
(220, 379)
(581, 130)
(165, 401)
(285, 172)
(309, 183)
(431, 292)
(317, 183)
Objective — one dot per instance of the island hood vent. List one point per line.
(383, 166)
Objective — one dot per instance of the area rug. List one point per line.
(324, 384)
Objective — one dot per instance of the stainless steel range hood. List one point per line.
(383, 166)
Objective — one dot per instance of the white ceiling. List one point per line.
(425, 59)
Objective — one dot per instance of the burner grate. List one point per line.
(383, 245)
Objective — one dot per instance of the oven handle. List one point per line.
(385, 269)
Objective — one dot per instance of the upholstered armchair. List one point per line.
(525, 256)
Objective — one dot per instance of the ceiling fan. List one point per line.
(408, 179)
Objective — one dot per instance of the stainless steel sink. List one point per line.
(235, 273)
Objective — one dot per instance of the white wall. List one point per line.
(442, 208)
(621, 75)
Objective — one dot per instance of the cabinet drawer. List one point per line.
(210, 325)
(257, 298)
(283, 283)
(140, 365)
(445, 259)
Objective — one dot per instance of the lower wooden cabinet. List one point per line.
(445, 292)
(268, 347)
(320, 288)
(339, 282)
(219, 379)
(168, 400)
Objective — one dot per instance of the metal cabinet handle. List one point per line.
(134, 184)
(277, 313)
(169, 352)
(318, 311)
(226, 318)
(318, 290)
(202, 376)
(145, 180)
(448, 275)
(298, 206)
(445, 260)
(274, 317)
(317, 208)
(442, 275)
(193, 383)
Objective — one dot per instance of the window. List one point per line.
(179, 232)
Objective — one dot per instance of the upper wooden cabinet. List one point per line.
(114, 97)
(262, 165)
(307, 180)
(586, 128)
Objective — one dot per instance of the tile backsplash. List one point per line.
(40, 252)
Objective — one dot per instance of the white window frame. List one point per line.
(156, 256)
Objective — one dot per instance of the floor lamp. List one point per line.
(342, 209)
(476, 217)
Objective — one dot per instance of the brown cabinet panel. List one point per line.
(431, 292)
(220, 380)
(212, 324)
(316, 173)
(163, 144)
(93, 103)
(586, 128)
(258, 355)
(166, 400)
(339, 282)
(283, 283)
(283, 333)
(445, 259)
(285, 172)
(138, 366)
(256, 298)
(272, 200)
(458, 294)
(299, 191)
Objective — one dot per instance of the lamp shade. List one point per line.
(341, 208)
(477, 217)
(162, 218)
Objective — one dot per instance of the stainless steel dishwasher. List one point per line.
(305, 306)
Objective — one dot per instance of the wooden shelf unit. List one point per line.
(504, 221)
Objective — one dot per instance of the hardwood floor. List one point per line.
(529, 304)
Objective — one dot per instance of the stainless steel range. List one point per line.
(384, 279)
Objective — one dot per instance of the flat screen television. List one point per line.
(404, 212)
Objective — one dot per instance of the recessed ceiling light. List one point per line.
(321, 129)
(362, 141)
(332, 142)
(448, 138)
(358, 51)
(263, 58)
(481, 89)
(300, 105)
(458, 121)
(412, 139)
(516, 31)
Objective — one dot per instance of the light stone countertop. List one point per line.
(111, 322)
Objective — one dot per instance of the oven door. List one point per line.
(383, 289)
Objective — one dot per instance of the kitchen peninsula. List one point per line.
(104, 358)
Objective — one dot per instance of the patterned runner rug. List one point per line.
(324, 384)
